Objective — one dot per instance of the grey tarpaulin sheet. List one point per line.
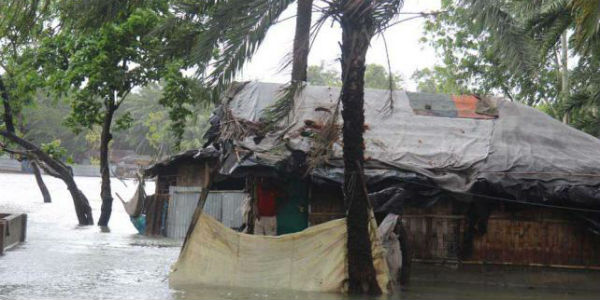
(522, 148)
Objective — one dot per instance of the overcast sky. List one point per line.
(406, 53)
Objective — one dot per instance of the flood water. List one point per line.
(61, 260)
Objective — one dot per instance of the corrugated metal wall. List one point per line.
(225, 206)
(182, 203)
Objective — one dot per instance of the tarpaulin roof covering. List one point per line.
(454, 141)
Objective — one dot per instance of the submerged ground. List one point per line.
(63, 260)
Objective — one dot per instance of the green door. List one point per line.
(292, 209)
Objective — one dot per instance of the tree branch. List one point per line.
(47, 170)
(12, 151)
(53, 163)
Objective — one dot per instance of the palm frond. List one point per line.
(587, 19)
(548, 25)
(513, 46)
(386, 10)
(324, 139)
(237, 28)
(284, 104)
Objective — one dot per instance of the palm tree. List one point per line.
(358, 27)
(360, 21)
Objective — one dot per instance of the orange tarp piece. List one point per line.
(466, 107)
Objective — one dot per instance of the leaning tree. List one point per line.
(21, 28)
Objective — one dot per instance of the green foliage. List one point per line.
(318, 75)
(104, 65)
(20, 26)
(55, 150)
(481, 54)
(95, 58)
(158, 135)
(42, 122)
(136, 43)
(123, 122)
(88, 15)
(500, 23)
(439, 80)
(377, 77)
(149, 133)
(143, 106)
(20, 19)
(471, 61)
(180, 94)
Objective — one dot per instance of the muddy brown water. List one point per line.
(61, 260)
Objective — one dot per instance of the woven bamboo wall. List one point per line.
(532, 237)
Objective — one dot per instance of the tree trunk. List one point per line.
(357, 30)
(40, 181)
(105, 192)
(301, 40)
(8, 117)
(82, 206)
(565, 73)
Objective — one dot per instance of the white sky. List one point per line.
(405, 51)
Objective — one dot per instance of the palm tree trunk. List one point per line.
(302, 40)
(357, 30)
(105, 192)
(40, 182)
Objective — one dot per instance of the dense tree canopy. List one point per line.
(149, 132)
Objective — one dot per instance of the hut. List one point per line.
(472, 179)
